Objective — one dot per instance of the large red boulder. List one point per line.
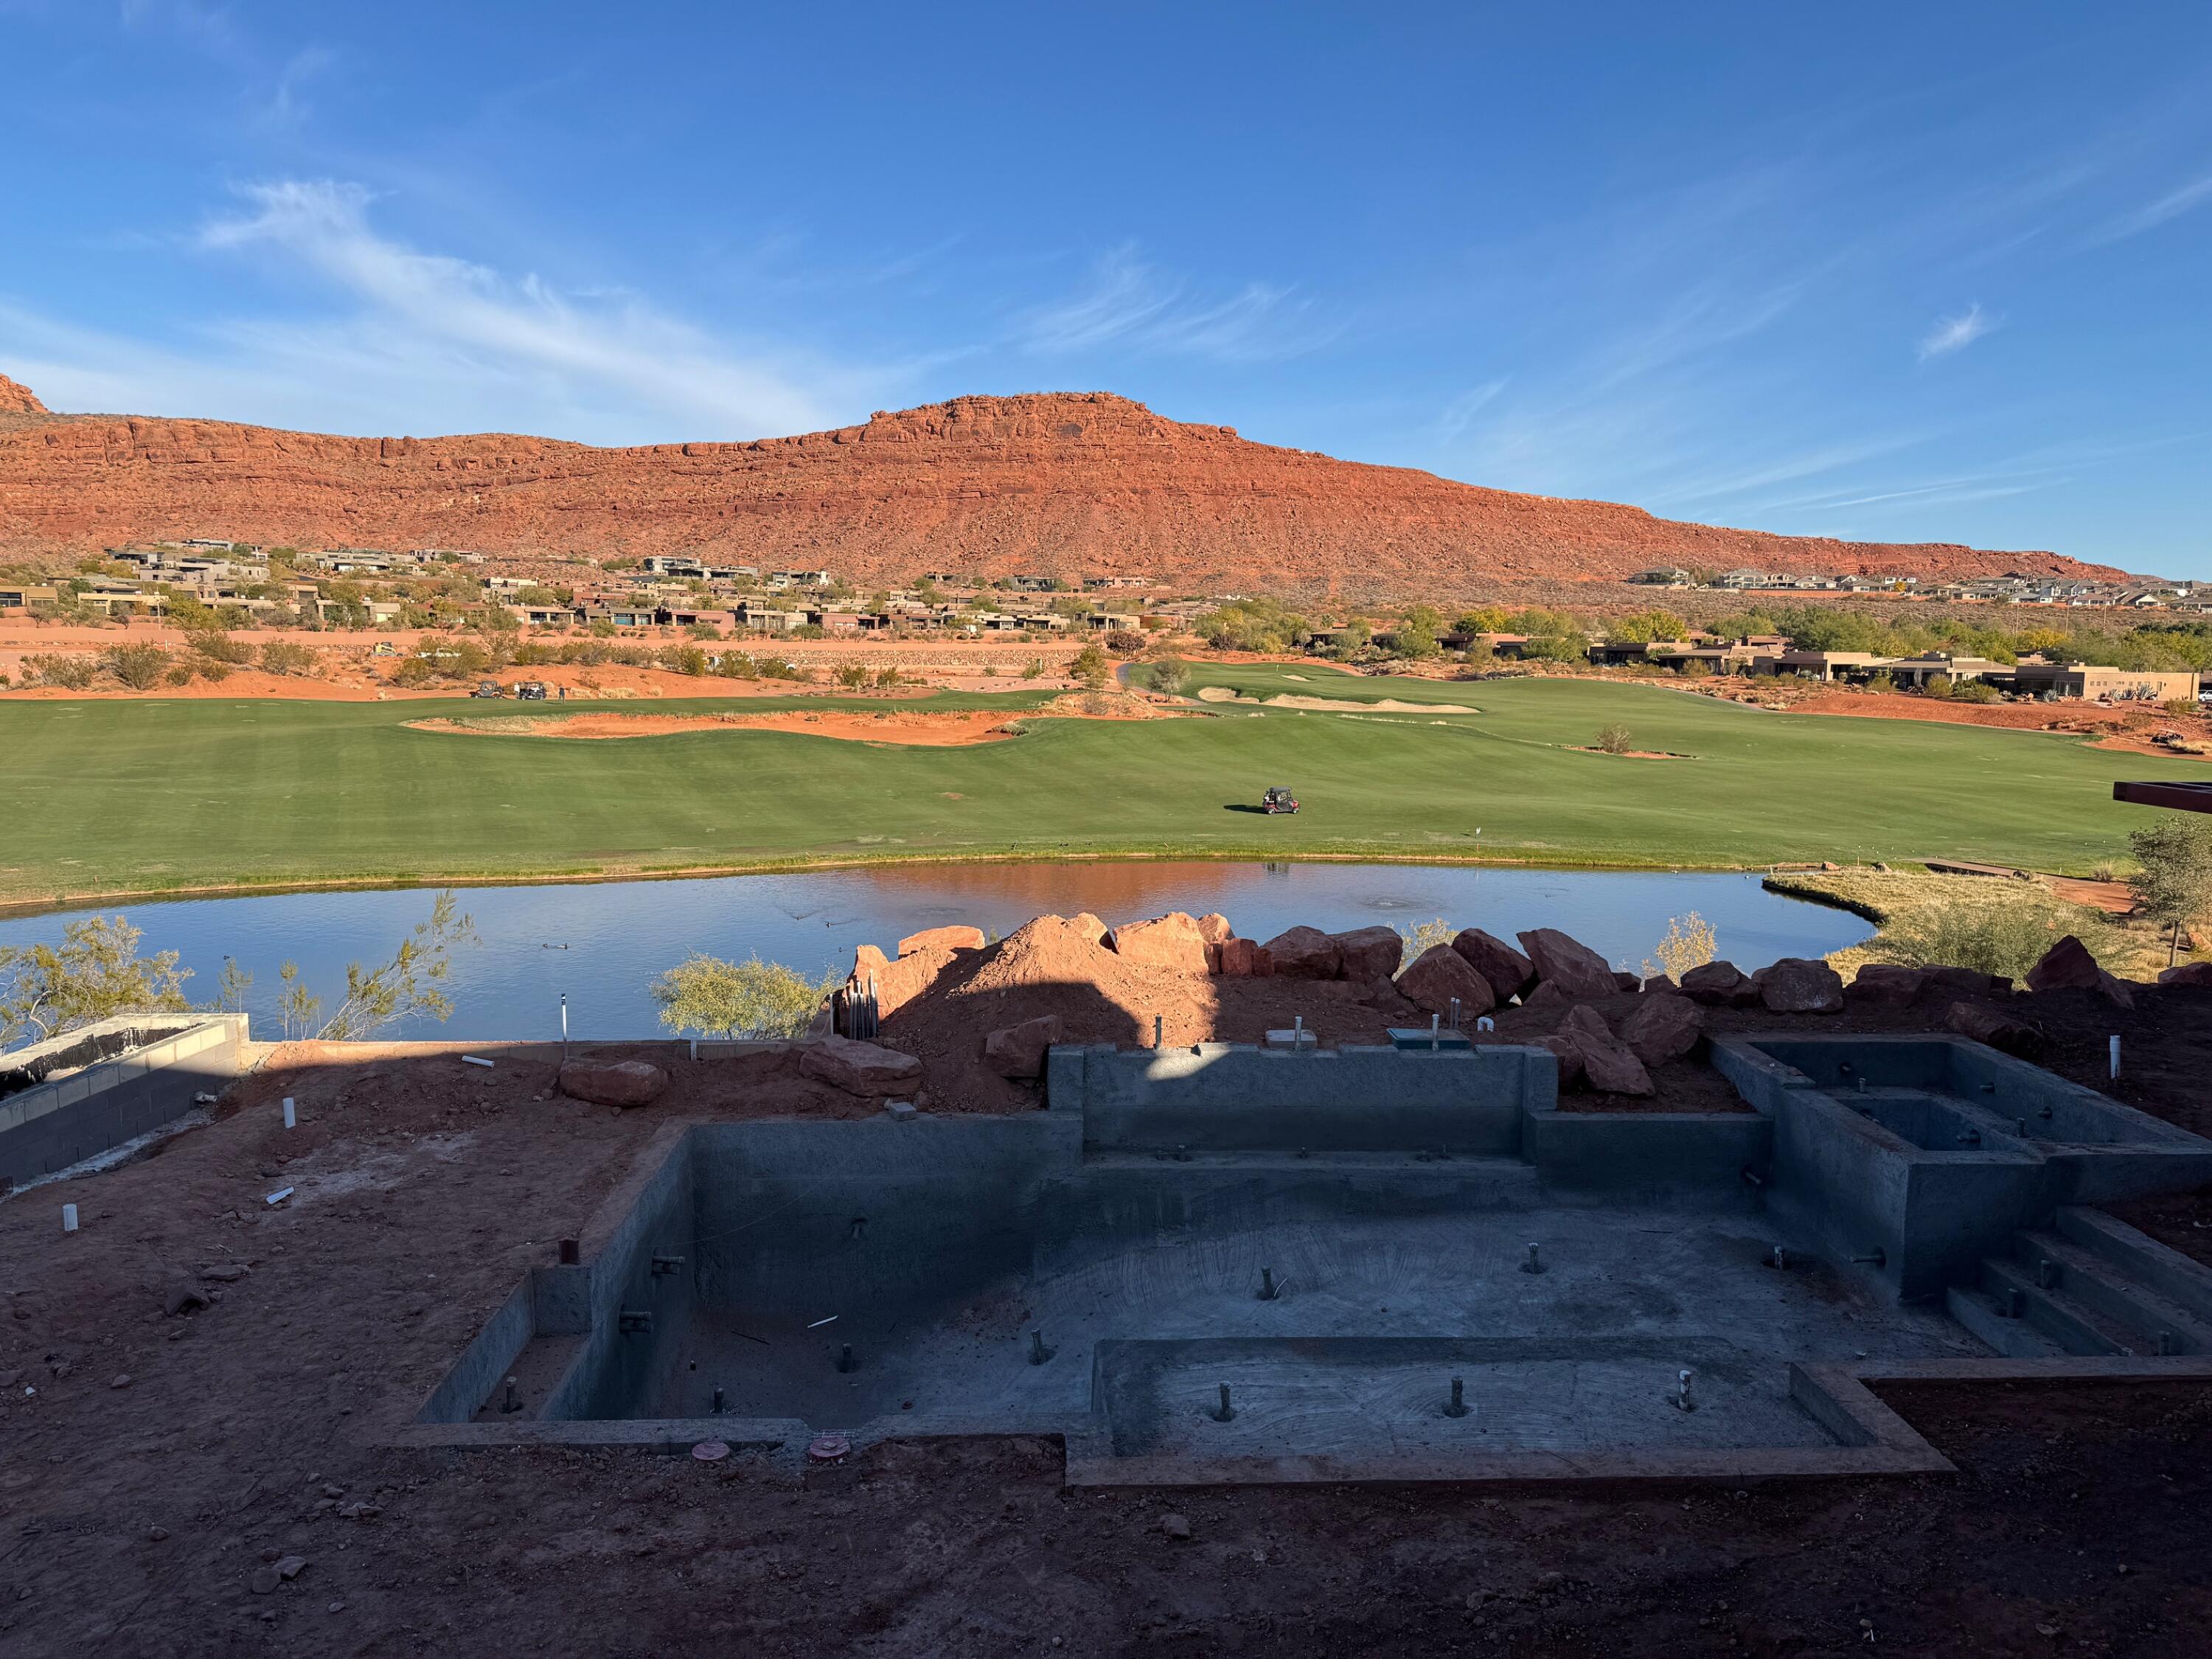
(2187, 973)
(1305, 953)
(859, 1069)
(1966, 982)
(1237, 958)
(1662, 1026)
(1609, 1065)
(1567, 963)
(2067, 966)
(1018, 1051)
(1884, 985)
(1088, 925)
(1170, 941)
(1986, 1023)
(1434, 978)
(1508, 972)
(940, 940)
(612, 1082)
(1799, 985)
(1369, 953)
(1570, 1057)
(1720, 985)
(1213, 927)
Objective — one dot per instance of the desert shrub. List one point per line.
(214, 673)
(1972, 691)
(1123, 643)
(70, 673)
(887, 676)
(2006, 939)
(853, 675)
(736, 666)
(1884, 681)
(1693, 668)
(2181, 705)
(215, 646)
(1089, 665)
(532, 656)
(1423, 935)
(284, 657)
(413, 671)
(683, 660)
(748, 999)
(182, 674)
(1613, 739)
(1689, 943)
(138, 666)
(704, 631)
(807, 631)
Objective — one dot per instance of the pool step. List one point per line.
(2014, 1338)
(2128, 1309)
(2165, 1271)
(2074, 1326)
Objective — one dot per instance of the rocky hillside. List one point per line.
(1067, 484)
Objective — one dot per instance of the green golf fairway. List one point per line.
(118, 797)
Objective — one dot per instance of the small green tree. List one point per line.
(1090, 667)
(284, 657)
(748, 999)
(853, 675)
(2173, 887)
(231, 986)
(1171, 675)
(411, 984)
(94, 973)
(296, 1006)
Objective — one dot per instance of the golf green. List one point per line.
(110, 797)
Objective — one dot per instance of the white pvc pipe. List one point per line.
(2116, 1053)
(291, 1116)
(69, 1217)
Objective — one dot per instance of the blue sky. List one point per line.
(1935, 272)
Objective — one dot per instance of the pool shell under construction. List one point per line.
(1227, 1264)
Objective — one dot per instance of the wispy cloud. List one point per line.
(455, 312)
(1461, 411)
(1956, 333)
(2151, 215)
(1129, 305)
(396, 339)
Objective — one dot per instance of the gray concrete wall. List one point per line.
(1232, 1097)
(614, 1369)
(1647, 1154)
(942, 1203)
(483, 1363)
(66, 1120)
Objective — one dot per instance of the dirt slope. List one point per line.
(1056, 484)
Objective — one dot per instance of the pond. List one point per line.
(601, 945)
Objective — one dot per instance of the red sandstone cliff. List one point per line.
(1063, 484)
(17, 398)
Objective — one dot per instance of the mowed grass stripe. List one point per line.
(130, 796)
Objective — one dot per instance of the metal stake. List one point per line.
(1457, 1406)
(1534, 1264)
(1268, 1288)
(1225, 1411)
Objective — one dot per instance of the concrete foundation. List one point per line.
(1336, 1237)
(91, 1090)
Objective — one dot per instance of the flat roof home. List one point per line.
(27, 598)
(2095, 683)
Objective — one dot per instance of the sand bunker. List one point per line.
(1334, 705)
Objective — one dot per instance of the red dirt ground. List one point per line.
(134, 1513)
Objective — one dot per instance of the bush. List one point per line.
(853, 675)
(1690, 942)
(216, 647)
(1423, 935)
(1090, 667)
(70, 673)
(1123, 643)
(1613, 739)
(138, 666)
(413, 671)
(749, 999)
(283, 657)
(1989, 938)
(683, 660)
(887, 676)
(1171, 675)
(736, 666)
(2182, 705)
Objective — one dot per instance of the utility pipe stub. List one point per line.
(828, 1449)
(711, 1451)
